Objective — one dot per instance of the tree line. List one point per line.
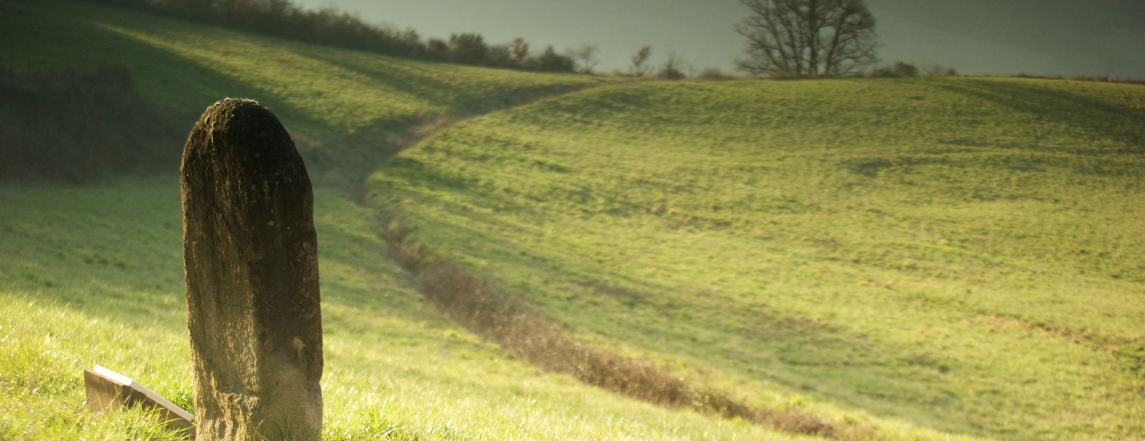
(785, 38)
(332, 27)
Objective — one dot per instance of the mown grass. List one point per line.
(315, 90)
(93, 275)
(960, 254)
(346, 110)
(879, 251)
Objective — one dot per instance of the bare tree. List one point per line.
(808, 38)
(672, 69)
(639, 66)
(586, 57)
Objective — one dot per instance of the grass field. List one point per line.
(938, 258)
(961, 254)
(339, 105)
(93, 274)
(316, 91)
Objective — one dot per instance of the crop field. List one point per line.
(960, 254)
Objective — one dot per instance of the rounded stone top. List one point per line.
(240, 132)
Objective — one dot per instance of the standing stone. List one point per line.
(250, 258)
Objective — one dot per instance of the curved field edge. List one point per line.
(93, 275)
(347, 111)
(522, 331)
(315, 90)
(964, 253)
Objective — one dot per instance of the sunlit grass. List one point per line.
(93, 274)
(963, 254)
(954, 255)
(395, 367)
(315, 90)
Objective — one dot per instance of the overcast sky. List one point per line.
(1050, 37)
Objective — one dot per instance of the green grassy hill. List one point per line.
(938, 259)
(959, 254)
(314, 90)
(339, 105)
(93, 274)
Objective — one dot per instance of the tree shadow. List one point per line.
(1101, 119)
(461, 90)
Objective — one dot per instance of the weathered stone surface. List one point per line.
(250, 257)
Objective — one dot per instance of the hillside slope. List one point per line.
(962, 254)
(314, 90)
(344, 109)
(92, 274)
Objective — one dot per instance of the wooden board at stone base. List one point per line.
(110, 391)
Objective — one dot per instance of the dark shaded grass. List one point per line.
(1084, 113)
(343, 162)
(1086, 78)
(78, 127)
(526, 333)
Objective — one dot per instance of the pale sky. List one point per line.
(1050, 37)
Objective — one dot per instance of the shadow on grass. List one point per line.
(527, 333)
(1096, 117)
(438, 83)
(805, 355)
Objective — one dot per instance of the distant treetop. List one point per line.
(808, 38)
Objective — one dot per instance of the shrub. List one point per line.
(640, 61)
(437, 50)
(501, 56)
(899, 69)
(672, 69)
(329, 26)
(714, 73)
(551, 61)
(520, 49)
(938, 70)
(468, 49)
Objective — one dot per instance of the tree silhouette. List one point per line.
(586, 57)
(640, 61)
(673, 67)
(808, 38)
(520, 50)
